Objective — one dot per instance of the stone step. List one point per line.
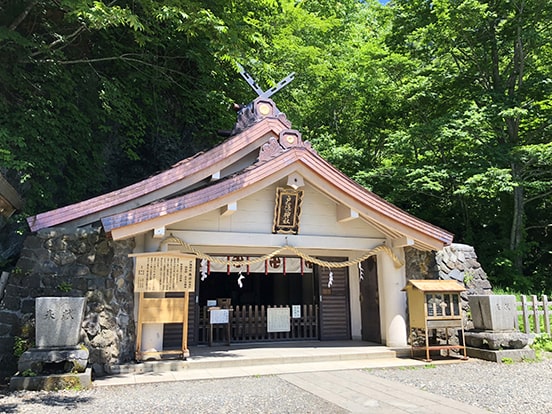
(206, 359)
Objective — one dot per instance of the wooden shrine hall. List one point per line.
(259, 239)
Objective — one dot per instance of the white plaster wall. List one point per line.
(391, 281)
(255, 214)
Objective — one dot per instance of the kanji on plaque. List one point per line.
(164, 273)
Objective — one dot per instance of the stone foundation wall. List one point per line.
(57, 262)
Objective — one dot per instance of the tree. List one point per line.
(113, 92)
(487, 66)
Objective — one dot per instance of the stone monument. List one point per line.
(495, 336)
(58, 361)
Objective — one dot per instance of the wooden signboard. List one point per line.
(163, 272)
(435, 304)
(287, 210)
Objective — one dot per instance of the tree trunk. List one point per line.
(517, 230)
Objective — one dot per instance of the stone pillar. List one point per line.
(392, 299)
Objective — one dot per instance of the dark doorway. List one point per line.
(369, 302)
(250, 304)
(334, 303)
(259, 289)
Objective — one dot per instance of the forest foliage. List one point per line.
(443, 107)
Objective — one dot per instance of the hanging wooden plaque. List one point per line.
(164, 272)
(287, 210)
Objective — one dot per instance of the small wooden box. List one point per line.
(435, 304)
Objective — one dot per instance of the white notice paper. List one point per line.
(277, 320)
(218, 316)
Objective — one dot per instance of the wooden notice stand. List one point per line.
(435, 304)
(162, 310)
(161, 273)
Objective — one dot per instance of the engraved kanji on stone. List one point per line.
(49, 314)
(67, 314)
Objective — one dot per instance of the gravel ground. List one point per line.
(266, 394)
(524, 387)
(517, 388)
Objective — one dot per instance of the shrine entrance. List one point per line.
(254, 292)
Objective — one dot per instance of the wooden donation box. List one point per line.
(435, 304)
(161, 273)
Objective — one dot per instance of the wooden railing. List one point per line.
(248, 324)
(534, 315)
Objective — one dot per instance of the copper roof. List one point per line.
(162, 185)
(155, 202)
(392, 220)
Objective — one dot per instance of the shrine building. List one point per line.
(263, 227)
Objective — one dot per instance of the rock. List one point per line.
(91, 325)
(496, 340)
(493, 312)
(40, 361)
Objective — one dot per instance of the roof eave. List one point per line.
(146, 191)
(313, 168)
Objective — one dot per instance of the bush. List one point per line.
(542, 342)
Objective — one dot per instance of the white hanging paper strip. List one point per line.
(330, 279)
(240, 280)
(360, 271)
(203, 269)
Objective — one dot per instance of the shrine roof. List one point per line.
(383, 215)
(163, 185)
(262, 150)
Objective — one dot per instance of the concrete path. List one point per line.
(359, 392)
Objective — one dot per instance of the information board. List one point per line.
(278, 320)
(218, 316)
(164, 272)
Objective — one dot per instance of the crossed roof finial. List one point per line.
(268, 93)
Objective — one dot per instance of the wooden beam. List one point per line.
(229, 209)
(345, 213)
(295, 181)
(402, 242)
(159, 233)
(254, 240)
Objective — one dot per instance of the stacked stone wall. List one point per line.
(83, 262)
(457, 261)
